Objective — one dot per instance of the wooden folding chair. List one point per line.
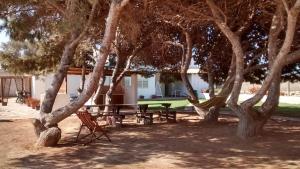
(87, 120)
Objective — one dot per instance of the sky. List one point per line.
(3, 37)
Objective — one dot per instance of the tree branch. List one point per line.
(58, 8)
(286, 6)
(279, 61)
(83, 33)
(293, 57)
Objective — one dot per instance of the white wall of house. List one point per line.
(174, 89)
(146, 86)
(38, 86)
(41, 84)
(198, 84)
(130, 84)
(73, 84)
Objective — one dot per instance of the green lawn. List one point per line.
(288, 110)
(284, 109)
(175, 103)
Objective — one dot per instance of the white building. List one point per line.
(151, 87)
(127, 93)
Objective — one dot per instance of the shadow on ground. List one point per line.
(180, 145)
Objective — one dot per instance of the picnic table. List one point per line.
(141, 111)
(164, 111)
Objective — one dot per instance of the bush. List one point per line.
(253, 89)
(141, 96)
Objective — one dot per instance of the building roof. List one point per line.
(107, 72)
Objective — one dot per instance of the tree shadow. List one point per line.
(181, 145)
(3, 120)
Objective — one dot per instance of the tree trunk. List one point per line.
(210, 75)
(59, 76)
(98, 94)
(51, 120)
(186, 60)
(51, 134)
(211, 115)
(249, 126)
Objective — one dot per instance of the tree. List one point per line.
(46, 127)
(252, 120)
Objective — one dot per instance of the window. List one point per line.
(127, 81)
(143, 83)
(107, 81)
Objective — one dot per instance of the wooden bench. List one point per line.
(144, 118)
(169, 116)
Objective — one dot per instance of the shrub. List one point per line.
(253, 89)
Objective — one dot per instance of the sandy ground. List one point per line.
(185, 144)
(16, 111)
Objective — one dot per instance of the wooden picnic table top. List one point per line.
(123, 109)
(110, 105)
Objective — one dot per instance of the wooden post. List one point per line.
(22, 83)
(2, 90)
(30, 86)
(289, 88)
(66, 83)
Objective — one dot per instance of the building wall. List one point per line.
(12, 83)
(179, 89)
(38, 86)
(73, 84)
(130, 94)
(198, 84)
(150, 90)
(12, 89)
(174, 89)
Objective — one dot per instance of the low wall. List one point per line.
(282, 99)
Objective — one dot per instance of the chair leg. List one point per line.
(107, 137)
(79, 132)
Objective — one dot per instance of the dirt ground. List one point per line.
(185, 144)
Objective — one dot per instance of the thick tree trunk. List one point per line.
(51, 134)
(59, 76)
(249, 126)
(52, 119)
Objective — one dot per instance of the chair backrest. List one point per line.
(86, 119)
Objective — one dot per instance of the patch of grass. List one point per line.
(284, 109)
(288, 110)
(156, 103)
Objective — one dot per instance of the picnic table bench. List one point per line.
(142, 112)
(164, 112)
